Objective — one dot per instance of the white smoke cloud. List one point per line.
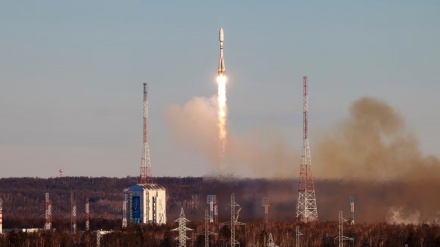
(398, 215)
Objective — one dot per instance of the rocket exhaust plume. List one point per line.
(221, 97)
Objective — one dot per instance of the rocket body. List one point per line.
(221, 64)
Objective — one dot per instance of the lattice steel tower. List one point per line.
(341, 238)
(87, 214)
(182, 229)
(146, 165)
(48, 213)
(306, 209)
(298, 234)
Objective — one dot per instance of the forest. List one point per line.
(252, 234)
(24, 207)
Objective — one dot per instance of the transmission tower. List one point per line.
(265, 202)
(341, 238)
(270, 243)
(306, 209)
(182, 229)
(87, 214)
(48, 213)
(146, 177)
(298, 234)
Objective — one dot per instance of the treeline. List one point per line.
(24, 206)
(252, 234)
(24, 198)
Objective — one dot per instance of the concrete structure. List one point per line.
(146, 204)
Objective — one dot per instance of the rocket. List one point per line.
(221, 64)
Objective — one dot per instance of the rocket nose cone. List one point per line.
(221, 35)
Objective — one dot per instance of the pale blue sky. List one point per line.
(71, 74)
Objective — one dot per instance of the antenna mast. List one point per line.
(306, 209)
(146, 165)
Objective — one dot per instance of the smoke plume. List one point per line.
(195, 126)
(370, 155)
(373, 145)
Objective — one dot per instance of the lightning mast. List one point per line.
(352, 209)
(146, 177)
(306, 209)
(87, 214)
(73, 216)
(48, 213)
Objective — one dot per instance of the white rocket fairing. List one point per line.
(221, 64)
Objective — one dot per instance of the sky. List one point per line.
(71, 75)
